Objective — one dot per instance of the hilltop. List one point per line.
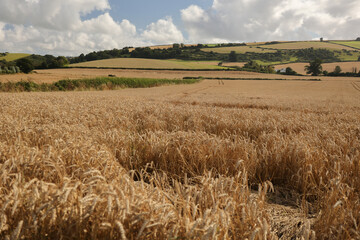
(263, 57)
(12, 56)
(264, 53)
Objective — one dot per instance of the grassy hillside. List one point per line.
(149, 63)
(13, 56)
(302, 45)
(238, 49)
(352, 44)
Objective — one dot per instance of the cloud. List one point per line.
(263, 20)
(50, 14)
(57, 27)
(195, 14)
(2, 34)
(64, 27)
(163, 32)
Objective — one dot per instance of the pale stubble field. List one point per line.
(215, 160)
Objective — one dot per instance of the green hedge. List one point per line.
(102, 83)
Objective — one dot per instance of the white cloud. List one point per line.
(56, 27)
(163, 32)
(195, 14)
(50, 14)
(263, 20)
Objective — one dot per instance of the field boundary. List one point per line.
(257, 79)
(101, 83)
(159, 69)
(337, 43)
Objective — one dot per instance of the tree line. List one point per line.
(315, 69)
(32, 62)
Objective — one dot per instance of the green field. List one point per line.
(13, 56)
(264, 63)
(302, 45)
(237, 49)
(148, 64)
(352, 44)
(348, 56)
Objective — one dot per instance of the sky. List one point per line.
(71, 27)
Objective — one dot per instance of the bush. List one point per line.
(290, 71)
(337, 70)
(25, 65)
(13, 69)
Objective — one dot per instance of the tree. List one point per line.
(25, 65)
(232, 56)
(290, 71)
(337, 70)
(62, 61)
(270, 69)
(314, 68)
(358, 39)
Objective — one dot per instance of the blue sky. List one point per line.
(142, 13)
(71, 27)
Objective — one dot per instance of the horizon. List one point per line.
(133, 47)
(70, 28)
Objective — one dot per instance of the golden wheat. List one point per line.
(165, 165)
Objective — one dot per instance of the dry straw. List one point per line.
(100, 166)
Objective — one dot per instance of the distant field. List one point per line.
(348, 56)
(234, 64)
(237, 49)
(53, 75)
(353, 44)
(14, 56)
(292, 59)
(262, 48)
(149, 63)
(299, 67)
(302, 45)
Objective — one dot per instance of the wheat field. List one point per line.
(53, 75)
(238, 49)
(330, 67)
(215, 160)
(148, 63)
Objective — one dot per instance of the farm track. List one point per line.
(356, 86)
